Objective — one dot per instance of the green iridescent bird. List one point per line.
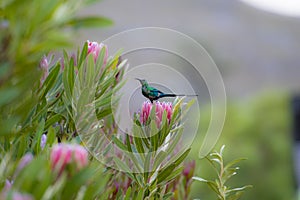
(154, 94)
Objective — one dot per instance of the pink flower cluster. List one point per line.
(64, 154)
(160, 107)
(95, 48)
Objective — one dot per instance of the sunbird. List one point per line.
(154, 94)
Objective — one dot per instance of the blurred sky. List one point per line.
(283, 7)
(254, 50)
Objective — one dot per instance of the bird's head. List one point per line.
(142, 81)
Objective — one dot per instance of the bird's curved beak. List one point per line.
(138, 79)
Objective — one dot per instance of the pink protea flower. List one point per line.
(64, 154)
(146, 109)
(160, 108)
(80, 156)
(95, 48)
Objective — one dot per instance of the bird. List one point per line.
(154, 94)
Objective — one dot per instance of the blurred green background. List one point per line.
(257, 53)
(258, 129)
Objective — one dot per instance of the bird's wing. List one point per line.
(155, 93)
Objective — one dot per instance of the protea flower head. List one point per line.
(64, 154)
(95, 48)
(160, 107)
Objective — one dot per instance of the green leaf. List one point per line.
(174, 141)
(38, 135)
(52, 120)
(154, 135)
(229, 173)
(98, 184)
(119, 143)
(33, 184)
(161, 156)
(21, 146)
(222, 150)
(236, 196)
(164, 129)
(139, 145)
(147, 166)
(138, 131)
(123, 166)
(168, 196)
(177, 172)
(179, 160)
(140, 195)
(239, 189)
(200, 179)
(187, 107)
(88, 22)
(128, 143)
(76, 182)
(82, 105)
(232, 163)
(90, 72)
(137, 159)
(68, 77)
(140, 180)
(51, 136)
(100, 60)
(55, 189)
(104, 112)
(216, 157)
(50, 81)
(163, 174)
(176, 111)
(83, 54)
(128, 193)
(213, 186)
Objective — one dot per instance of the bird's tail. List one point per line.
(179, 95)
(168, 95)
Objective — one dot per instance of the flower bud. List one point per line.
(43, 141)
(95, 48)
(65, 154)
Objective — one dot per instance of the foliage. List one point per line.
(63, 113)
(28, 30)
(150, 160)
(258, 129)
(224, 173)
(38, 180)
